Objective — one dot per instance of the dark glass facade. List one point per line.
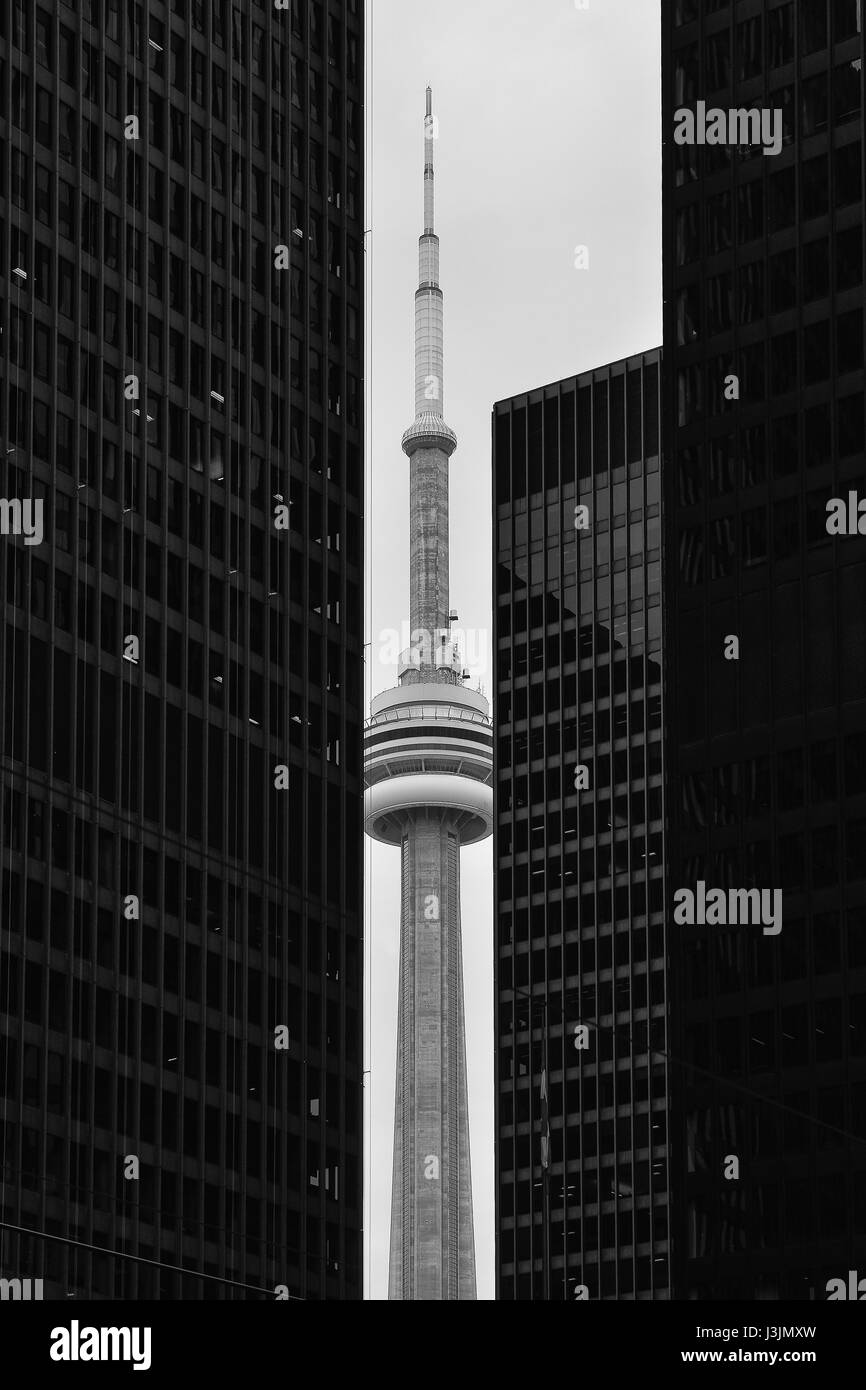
(171, 378)
(766, 755)
(579, 876)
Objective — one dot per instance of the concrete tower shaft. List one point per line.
(432, 1238)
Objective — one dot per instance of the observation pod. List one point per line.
(425, 750)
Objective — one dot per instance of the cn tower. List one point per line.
(429, 767)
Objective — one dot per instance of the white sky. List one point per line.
(549, 138)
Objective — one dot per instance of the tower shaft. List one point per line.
(432, 1242)
(428, 548)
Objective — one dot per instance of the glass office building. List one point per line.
(582, 1182)
(180, 821)
(766, 746)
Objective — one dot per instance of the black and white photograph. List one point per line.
(432, 676)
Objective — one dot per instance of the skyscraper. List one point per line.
(428, 759)
(582, 1185)
(180, 824)
(766, 614)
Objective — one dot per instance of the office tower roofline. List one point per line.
(616, 367)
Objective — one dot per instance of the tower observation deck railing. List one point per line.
(425, 711)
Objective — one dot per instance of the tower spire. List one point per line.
(429, 137)
(429, 443)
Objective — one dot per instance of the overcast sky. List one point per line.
(549, 139)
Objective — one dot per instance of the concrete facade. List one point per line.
(432, 1244)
